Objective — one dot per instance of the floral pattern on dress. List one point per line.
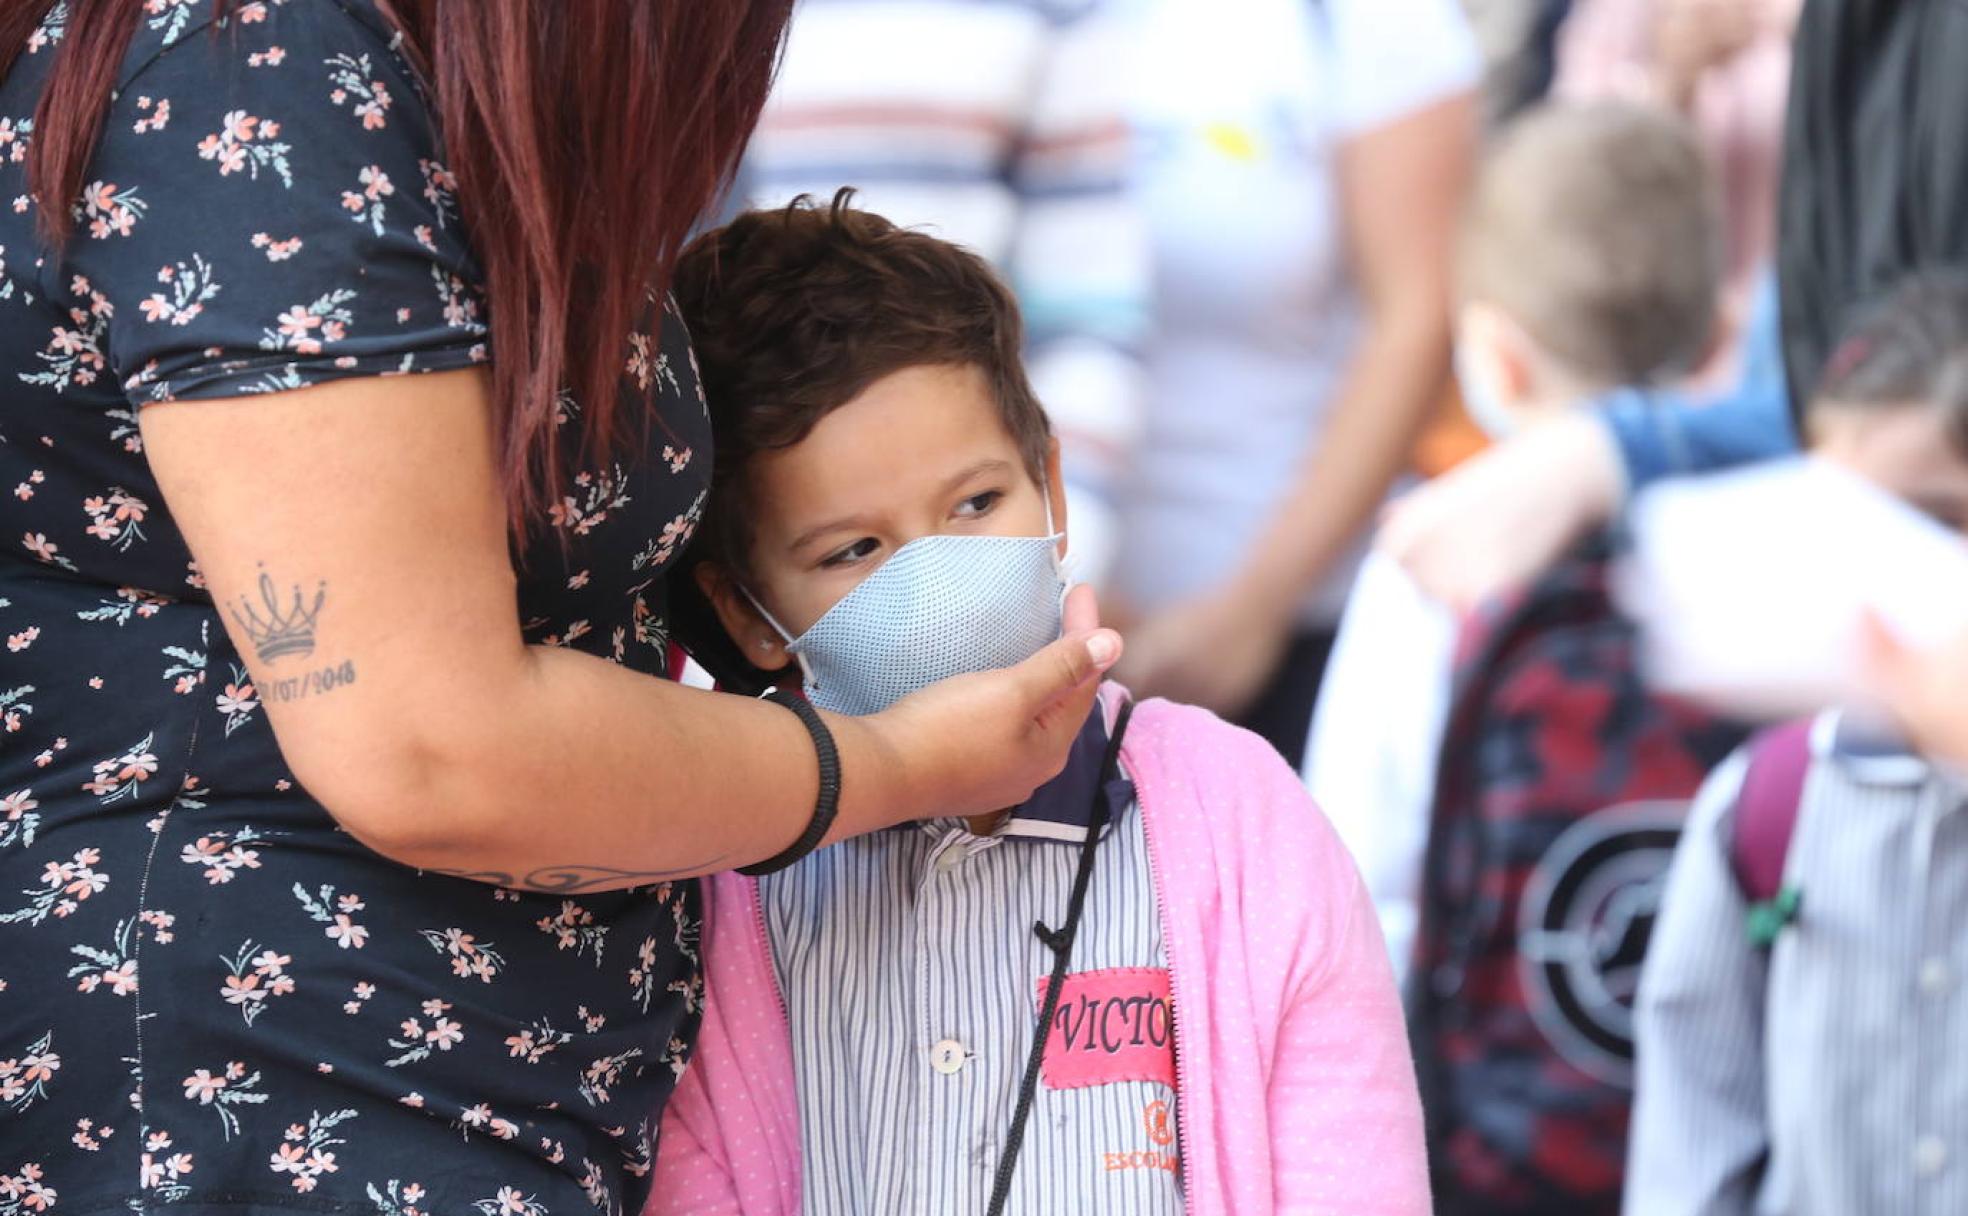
(269, 208)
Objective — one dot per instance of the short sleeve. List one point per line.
(1394, 57)
(268, 210)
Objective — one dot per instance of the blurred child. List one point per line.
(1075, 1005)
(1509, 784)
(1801, 1003)
(1587, 262)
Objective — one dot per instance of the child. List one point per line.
(1589, 260)
(1801, 1004)
(1227, 1037)
(1509, 784)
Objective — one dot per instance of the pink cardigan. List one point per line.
(1297, 1090)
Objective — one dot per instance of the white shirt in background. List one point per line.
(1377, 737)
(1240, 110)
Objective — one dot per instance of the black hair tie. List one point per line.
(827, 806)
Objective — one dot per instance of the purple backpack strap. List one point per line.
(1766, 808)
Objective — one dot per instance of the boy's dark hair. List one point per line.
(1907, 348)
(1596, 227)
(793, 312)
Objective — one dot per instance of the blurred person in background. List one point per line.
(1509, 780)
(1923, 688)
(1874, 184)
(1582, 267)
(1725, 64)
(1820, 888)
(999, 125)
(1519, 44)
(1301, 165)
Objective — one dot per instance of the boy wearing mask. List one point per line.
(1589, 260)
(1082, 1003)
(1800, 1010)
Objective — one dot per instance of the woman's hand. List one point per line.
(1216, 651)
(1505, 516)
(979, 743)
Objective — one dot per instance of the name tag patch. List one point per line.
(1112, 1025)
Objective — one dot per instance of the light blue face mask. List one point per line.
(940, 606)
(1480, 399)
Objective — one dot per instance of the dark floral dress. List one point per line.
(209, 994)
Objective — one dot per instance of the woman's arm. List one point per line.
(448, 744)
(1501, 519)
(1400, 186)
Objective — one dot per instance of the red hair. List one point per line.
(587, 137)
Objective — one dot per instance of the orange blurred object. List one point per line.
(1450, 437)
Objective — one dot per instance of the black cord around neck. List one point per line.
(1061, 945)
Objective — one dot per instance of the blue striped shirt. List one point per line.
(1821, 1077)
(910, 970)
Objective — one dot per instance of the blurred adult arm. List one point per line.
(1401, 186)
(1926, 689)
(1699, 1135)
(1498, 520)
(448, 744)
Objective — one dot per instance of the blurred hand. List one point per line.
(979, 743)
(1216, 651)
(1693, 36)
(1505, 516)
(1926, 689)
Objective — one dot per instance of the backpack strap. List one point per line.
(1766, 819)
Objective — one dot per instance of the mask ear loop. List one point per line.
(792, 643)
(1055, 536)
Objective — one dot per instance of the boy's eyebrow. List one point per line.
(815, 533)
(991, 464)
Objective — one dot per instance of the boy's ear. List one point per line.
(760, 643)
(1055, 488)
(1500, 348)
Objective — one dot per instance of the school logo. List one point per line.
(1587, 912)
(1156, 1118)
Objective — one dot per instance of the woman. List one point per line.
(1303, 163)
(345, 832)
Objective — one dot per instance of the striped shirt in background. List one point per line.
(1825, 1076)
(997, 124)
(910, 972)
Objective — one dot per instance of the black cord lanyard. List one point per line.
(1061, 945)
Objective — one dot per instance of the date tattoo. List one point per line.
(281, 626)
(314, 683)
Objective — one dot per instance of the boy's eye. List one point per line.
(979, 504)
(863, 548)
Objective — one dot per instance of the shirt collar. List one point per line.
(1872, 752)
(1062, 809)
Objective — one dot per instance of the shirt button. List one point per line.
(950, 858)
(947, 1057)
(1934, 976)
(1929, 1156)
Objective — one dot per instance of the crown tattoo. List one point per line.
(280, 632)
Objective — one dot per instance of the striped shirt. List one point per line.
(911, 971)
(1824, 1076)
(1000, 125)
